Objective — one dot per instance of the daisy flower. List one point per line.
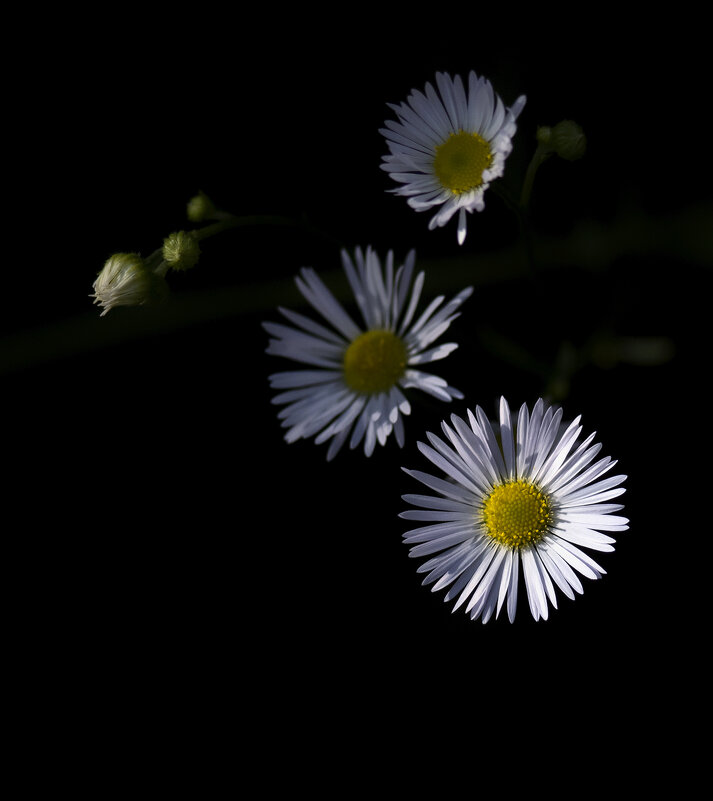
(448, 145)
(515, 494)
(354, 387)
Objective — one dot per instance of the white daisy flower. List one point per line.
(355, 385)
(517, 494)
(446, 148)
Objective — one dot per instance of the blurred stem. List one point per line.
(521, 208)
(230, 221)
(541, 154)
(525, 231)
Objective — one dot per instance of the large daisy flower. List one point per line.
(514, 494)
(355, 385)
(448, 145)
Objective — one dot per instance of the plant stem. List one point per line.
(541, 154)
(230, 221)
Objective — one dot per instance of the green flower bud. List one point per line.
(567, 139)
(181, 250)
(544, 135)
(123, 281)
(200, 208)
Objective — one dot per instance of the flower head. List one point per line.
(515, 494)
(181, 250)
(357, 377)
(124, 281)
(566, 139)
(200, 208)
(448, 145)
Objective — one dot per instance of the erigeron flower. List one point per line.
(354, 387)
(448, 145)
(124, 281)
(181, 250)
(511, 495)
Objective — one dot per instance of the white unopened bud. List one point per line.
(124, 281)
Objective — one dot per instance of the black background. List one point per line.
(179, 559)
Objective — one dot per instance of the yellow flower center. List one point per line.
(461, 160)
(517, 514)
(374, 361)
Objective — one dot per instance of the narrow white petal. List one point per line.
(436, 514)
(505, 580)
(560, 451)
(493, 446)
(576, 558)
(445, 86)
(512, 591)
(312, 327)
(326, 304)
(447, 566)
(575, 462)
(577, 492)
(506, 438)
(448, 461)
(605, 522)
(441, 543)
(586, 537)
(478, 573)
(413, 302)
(302, 378)
(545, 577)
(554, 571)
(446, 488)
(568, 575)
(462, 226)
(488, 580)
(533, 585)
(434, 502)
(476, 469)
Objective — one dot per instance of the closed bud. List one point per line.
(181, 250)
(544, 134)
(568, 141)
(125, 281)
(201, 208)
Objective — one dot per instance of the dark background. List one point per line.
(178, 557)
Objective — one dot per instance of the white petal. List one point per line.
(554, 571)
(462, 226)
(506, 439)
(533, 585)
(512, 592)
(446, 488)
(489, 580)
(434, 502)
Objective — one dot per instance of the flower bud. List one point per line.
(181, 250)
(123, 281)
(567, 139)
(200, 208)
(544, 134)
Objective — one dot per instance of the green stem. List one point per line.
(230, 221)
(541, 154)
(520, 212)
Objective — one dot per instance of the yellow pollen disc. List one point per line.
(374, 361)
(461, 160)
(517, 514)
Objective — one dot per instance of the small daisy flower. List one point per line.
(448, 145)
(355, 385)
(517, 494)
